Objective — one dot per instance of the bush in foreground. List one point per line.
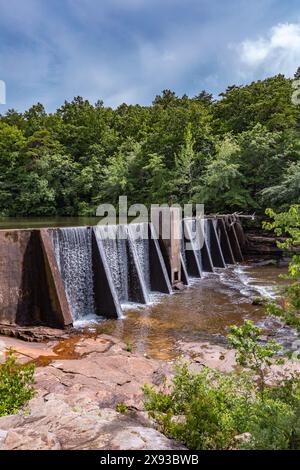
(16, 385)
(238, 410)
(213, 410)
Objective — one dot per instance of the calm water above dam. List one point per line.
(207, 307)
(8, 223)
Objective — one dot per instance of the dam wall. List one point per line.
(59, 276)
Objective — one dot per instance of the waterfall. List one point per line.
(207, 234)
(198, 240)
(116, 255)
(140, 239)
(73, 251)
(123, 263)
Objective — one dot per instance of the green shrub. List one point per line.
(251, 352)
(129, 347)
(122, 408)
(208, 410)
(288, 224)
(16, 385)
(201, 410)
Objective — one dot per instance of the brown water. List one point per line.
(204, 310)
(8, 223)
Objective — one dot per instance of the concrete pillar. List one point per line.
(192, 252)
(234, 242)
(31, 289)
(159, 278)
(215, 247)
(56, 289)
(225, 242)
(167, 224)
(184, 273)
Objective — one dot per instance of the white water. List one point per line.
(117, 258)
(73, 251)
(123, 262)
(238, 278)
(139, 237)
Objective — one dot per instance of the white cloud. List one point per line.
(277, 52)
(129, 50)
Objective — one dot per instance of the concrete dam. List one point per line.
(54, 277)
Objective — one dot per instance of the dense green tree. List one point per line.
(267, 102)
(239, 152)
(222, 186)
(184, 164)
(280, 196)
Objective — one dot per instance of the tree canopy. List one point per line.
(240, 152)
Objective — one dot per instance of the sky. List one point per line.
(130, 50)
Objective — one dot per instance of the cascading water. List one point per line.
(123, 263)
(73, 251)
(139, 236)
(116, 255)
(207, 234)
(198, 240)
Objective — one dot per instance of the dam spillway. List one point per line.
(73, 252)
(122, 259)
(57, 276)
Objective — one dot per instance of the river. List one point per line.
(205, 310)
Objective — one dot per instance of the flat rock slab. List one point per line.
(25, 351)
(34, 333)
(76, 400)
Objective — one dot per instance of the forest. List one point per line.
(239, 152)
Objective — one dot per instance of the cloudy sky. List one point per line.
(130, 50)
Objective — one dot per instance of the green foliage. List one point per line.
(16, 385)
(129, 347)
(287, 224)
(287, 191)
(213, 410)
(239, 152)
(122, 408)
(251, 352)
(208, 410)
(222, 180)
(267, 102)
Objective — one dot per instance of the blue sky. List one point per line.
(130, 50)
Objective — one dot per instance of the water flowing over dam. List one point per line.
(122, 258)
(58, 276)
(73, 252)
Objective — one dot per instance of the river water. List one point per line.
(204, 310)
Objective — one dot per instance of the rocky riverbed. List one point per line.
(80, 382)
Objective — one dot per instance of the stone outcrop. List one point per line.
(84, 380)
(261, 244)
(76, 401)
